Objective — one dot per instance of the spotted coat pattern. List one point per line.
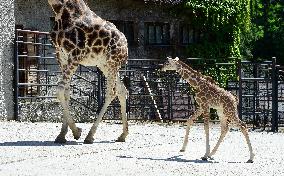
(82, 37)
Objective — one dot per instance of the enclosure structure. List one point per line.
(261, 93)
(153, 95)
(149, 28)
(36, 77)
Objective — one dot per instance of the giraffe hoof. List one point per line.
(204, 158)
(182, 150)
(88, 141)
(250, 161)
(78, 135)
(120, 139)
(60, 140)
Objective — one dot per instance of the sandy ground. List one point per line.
(150, 149)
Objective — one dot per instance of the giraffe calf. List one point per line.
(209, 95)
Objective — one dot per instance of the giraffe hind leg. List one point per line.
(244, 130)
(110, 95)
(122, 96)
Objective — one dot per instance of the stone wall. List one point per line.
(7, 25)
(33, 14)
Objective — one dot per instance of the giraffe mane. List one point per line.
(208, 78)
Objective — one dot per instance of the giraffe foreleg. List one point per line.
(122, 96)
(78, 131)
(60, 139)
(189, 124)
(224, 131)
(206, 129)
(64, 128)
(63, 94)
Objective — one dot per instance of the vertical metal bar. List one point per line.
(100, 90)
(43, 41)
(16, 78)
(172, 91)
(240, 88)
(128, 105)
(169, 98)
(274, 76)
(255, 92)
(38, 62)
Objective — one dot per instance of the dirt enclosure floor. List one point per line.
(150, 149)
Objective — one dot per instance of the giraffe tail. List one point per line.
(126, 82)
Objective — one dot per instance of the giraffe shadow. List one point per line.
(172, 159)
(104, 142)
(36, 143)
(46, 143)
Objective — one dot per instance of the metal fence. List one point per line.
(37, 73)
(280, 99)
(261, 93)
(154, 95)
(36, 77)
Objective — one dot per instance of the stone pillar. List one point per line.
(7, 31)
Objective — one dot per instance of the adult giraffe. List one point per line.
(82, 37)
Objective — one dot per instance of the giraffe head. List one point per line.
(171, 64)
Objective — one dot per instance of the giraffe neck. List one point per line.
(191, 70)
(69, 12)
(192, 76)
(77, 7)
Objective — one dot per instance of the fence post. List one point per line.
(274, 79)
(16, 78)
(169, 108)
(239, 65)
(100, 90)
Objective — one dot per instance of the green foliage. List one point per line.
(209, 50)
(222, 23)
(250, 28)
(266, 37)
(222, 73)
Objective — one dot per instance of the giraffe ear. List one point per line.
(176, 59)
(169, 58)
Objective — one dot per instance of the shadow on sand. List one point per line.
(37, 143)
(47, 143)
(174, 158)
